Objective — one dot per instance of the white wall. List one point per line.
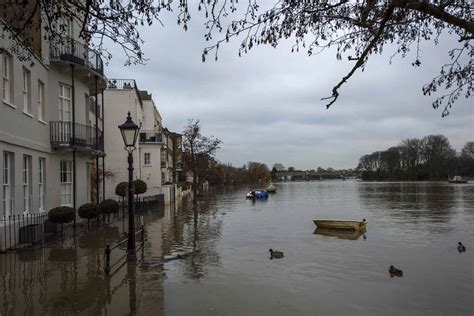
(117, 104)
(25, 134)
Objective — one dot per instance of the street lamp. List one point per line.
(129, 132)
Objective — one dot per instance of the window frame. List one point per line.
(63, 99)
(7, 184)
(147, 159)
(27, 183)
(7, 78)
(67, 185)
(41, 101)
(27, 91)
(41, 184)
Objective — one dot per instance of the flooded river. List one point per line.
(225, 268)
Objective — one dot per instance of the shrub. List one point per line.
(61, 215)
(183, 185)
(88, 210)
(140, 186)
(121, 189)
(109, 206)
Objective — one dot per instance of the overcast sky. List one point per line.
(265, 106)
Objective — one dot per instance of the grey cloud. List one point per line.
(266, 105)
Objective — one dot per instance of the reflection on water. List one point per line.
(223, 267)
(340, 233)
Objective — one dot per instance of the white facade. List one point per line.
(41, 107)
(150, 143)
(122, 96)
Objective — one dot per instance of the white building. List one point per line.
(122, 96)
(151, 142)
(50, 137)
(157, 157)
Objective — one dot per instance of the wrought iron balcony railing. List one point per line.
(61, 133)
(72, 51)
(151, 137)
(124, 84)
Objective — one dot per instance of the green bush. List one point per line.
(183, 185)
(121, 189)
(88, 210)
(61, 215)
(139, 186)
(109, 206)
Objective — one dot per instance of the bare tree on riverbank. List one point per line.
(199, 150)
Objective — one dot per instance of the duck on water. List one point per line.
(275, 254)
(395, 272)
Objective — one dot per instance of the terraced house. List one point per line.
(156, 156)
(51, 120)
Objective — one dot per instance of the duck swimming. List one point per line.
(461, 247)
(275, 254)
(395, 272)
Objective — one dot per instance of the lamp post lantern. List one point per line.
(129, 132)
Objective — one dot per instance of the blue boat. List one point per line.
(257, 194)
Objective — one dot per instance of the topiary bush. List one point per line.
(88, 211)
(62, 215)
(109, 206)
(121, 189)
(139, 186)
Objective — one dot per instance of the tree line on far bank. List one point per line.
(199, 161)
(429, 158)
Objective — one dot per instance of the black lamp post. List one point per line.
(129, 132)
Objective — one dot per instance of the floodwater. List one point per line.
(225, 267)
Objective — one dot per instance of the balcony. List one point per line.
(150, 137)
(124, 84)
(71, 51)
(61, 133)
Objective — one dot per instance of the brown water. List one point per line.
(414, 226)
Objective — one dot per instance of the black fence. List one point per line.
(18, 231)
(22, 231)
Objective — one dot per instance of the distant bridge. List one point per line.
(308, 175)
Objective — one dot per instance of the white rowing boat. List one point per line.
(333, 224)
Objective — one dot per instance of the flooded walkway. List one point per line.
(211, 258)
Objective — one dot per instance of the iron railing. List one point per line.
(34, 230)
(124, 84)
(151, 137)
(61, 134)
(72, 51)
(17, 231)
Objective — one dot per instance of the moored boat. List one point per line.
(257, 194)
(333, 224)
(271, 188)
(457, 179)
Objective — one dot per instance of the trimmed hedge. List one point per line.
(121, 189)
(139, 186)
(109, 206)
(88, 210)
(61, 215)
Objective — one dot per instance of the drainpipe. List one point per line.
(74, 181)
(97, 184)
(103, 144)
